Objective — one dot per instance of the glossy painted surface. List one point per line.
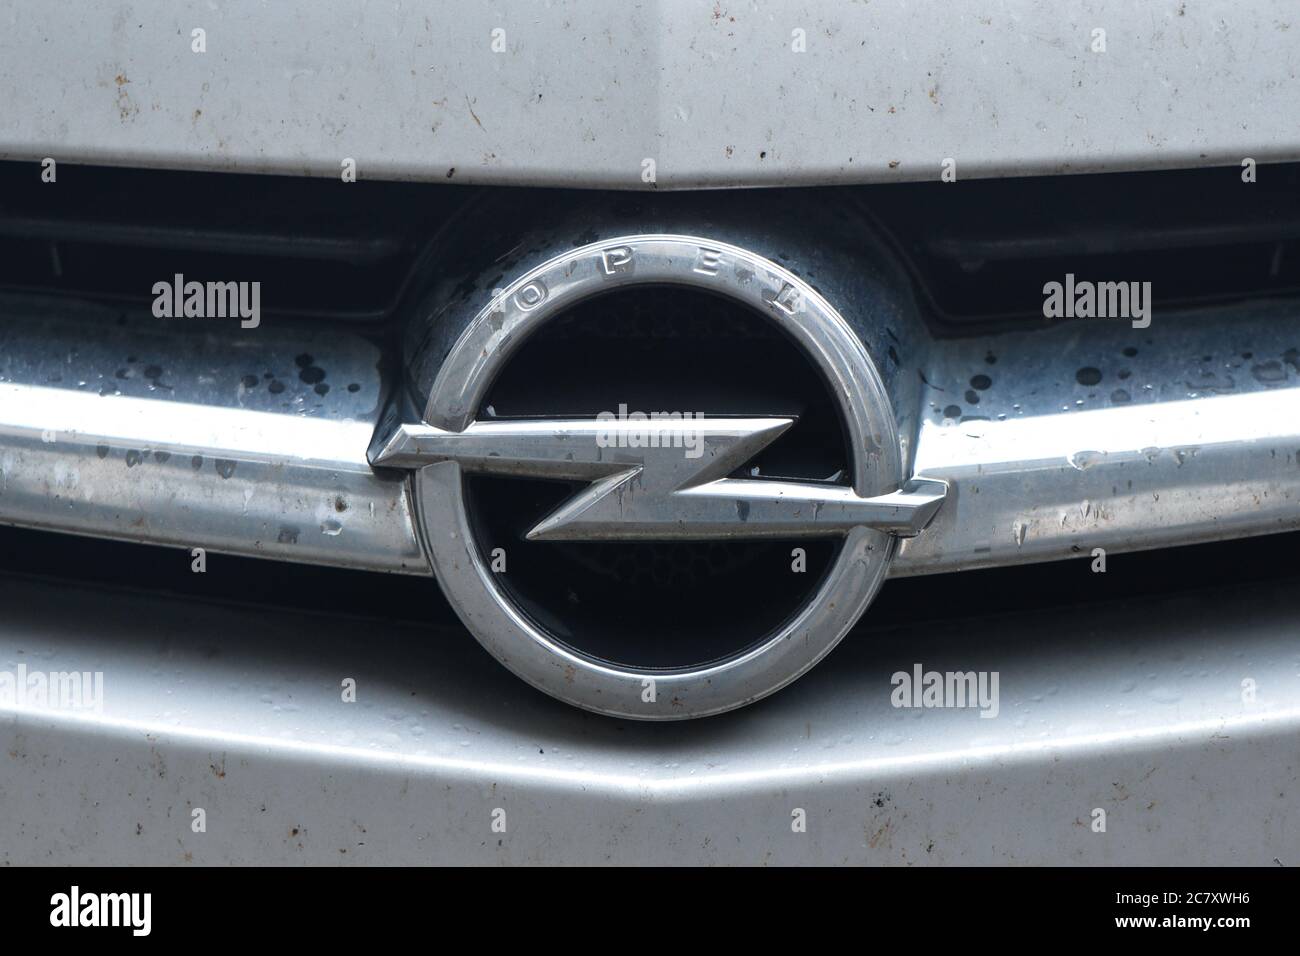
(595, 94)
(1135, 708)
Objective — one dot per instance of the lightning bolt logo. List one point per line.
(645, 486)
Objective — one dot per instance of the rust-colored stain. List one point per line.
(876, 837)
(469, 106)
(125, 108)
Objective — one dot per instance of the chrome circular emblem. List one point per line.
(669, 478)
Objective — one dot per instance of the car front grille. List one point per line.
(1056, 439)
(79, 261)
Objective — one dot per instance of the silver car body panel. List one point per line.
(1137, 710)
(712, 94)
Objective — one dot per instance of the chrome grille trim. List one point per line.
(1207, 447)
(1204, 451)
(192, 456)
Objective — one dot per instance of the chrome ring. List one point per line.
(485, 348)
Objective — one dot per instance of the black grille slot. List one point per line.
(320, 248)
(981, 251)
